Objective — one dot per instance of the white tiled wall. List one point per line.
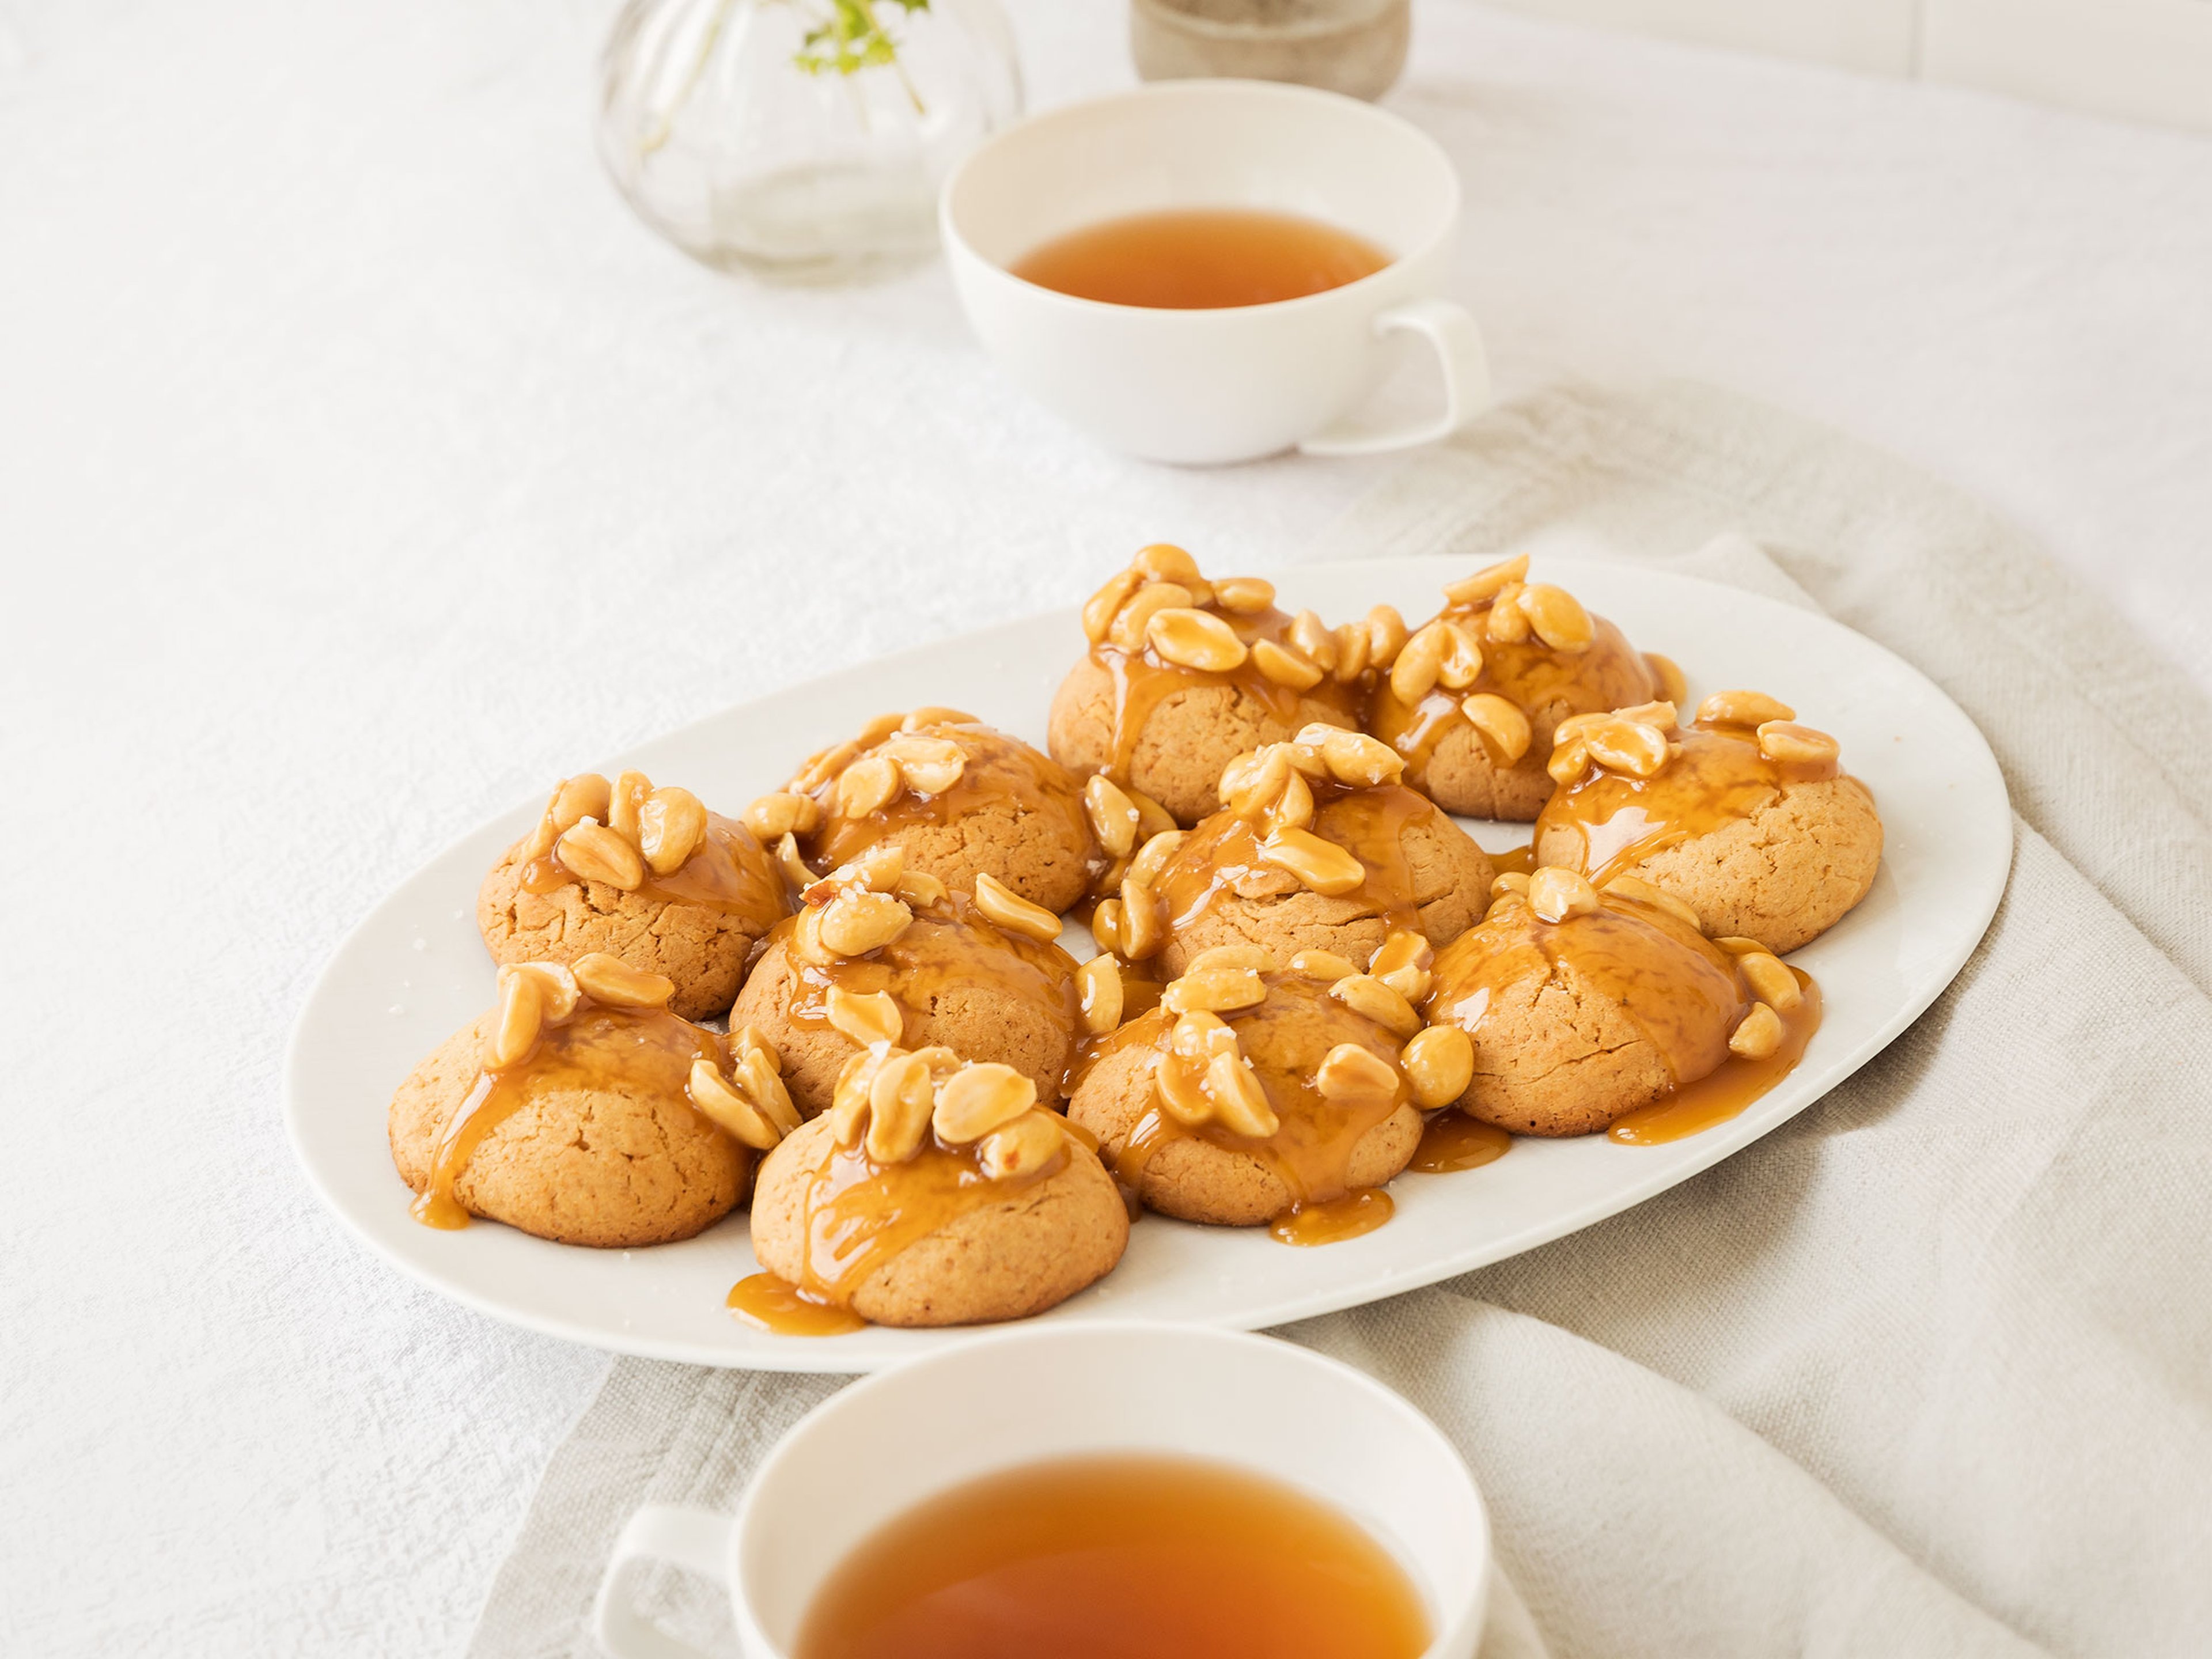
(2148, 60)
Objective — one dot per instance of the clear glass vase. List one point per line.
(801, 140)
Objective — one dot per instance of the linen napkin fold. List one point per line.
(1927, 1370)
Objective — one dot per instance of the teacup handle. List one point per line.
(1459, 350)
(697, 1539)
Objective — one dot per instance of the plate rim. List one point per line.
(814, 1355)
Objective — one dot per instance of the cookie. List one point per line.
(935, 1194)
(583, 1111)
(878, 953)
(1473, 699)
(1183, 675)
(1317, 847)
(647, 875)
(1255, 1088)
(958, 798)
(1745, 817)
(1583, 1006)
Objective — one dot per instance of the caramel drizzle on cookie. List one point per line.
(660, 845)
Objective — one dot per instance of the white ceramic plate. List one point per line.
(415, 971)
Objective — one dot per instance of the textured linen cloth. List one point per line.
(1927, 1370)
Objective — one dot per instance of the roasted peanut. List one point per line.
(1796, 745)
(1025, 1145)
(1320, 864)
(1743, 709)
(782, 814)
(979, 1098)
(1010, 911)
(608, 979)
(1214, 990)
(1502, 724)
(1113, 815)
(1486, 582)
(1152, 857)
(901, 1097)
(595, 853)
(1364, 994)
(1135, 623)
(1284, 666)
(1195, 639)
(1556, 895)
(1759, 1034)
(1098, 984)
(1246, 595)
(874, 1018)
(1353, 1074)
(1439, 1063)
(859, 920)
(1557, 616)
(671, 825)
(1321, 964)
(1770, 981)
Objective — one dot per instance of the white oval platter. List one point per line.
(415, 971)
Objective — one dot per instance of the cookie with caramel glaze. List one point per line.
(1317, 847)
(647, 875)
(1745, 817)
(1183, 675)
(1473, 699)
(1239, 1114)
(608, 1123)
(924, 1247)
(907, 961)
(958, 797)
(1584, 1005)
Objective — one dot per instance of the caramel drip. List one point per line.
(1715, 776)
(858, 1213)
(597, 1047)
(1607, 674)
(1144, 681)
(947, 947)
(1451, 1140)
(1361, 1210)
(769, 1303)
(1722, 1094)
(1682, 993)
(1515, 861)
(729, 872)
(1222, 855)
(1285, 1038)
(1000, 771)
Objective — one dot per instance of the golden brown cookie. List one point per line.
(1584, 1006)
(936, 1194)
(1744, 816)
(647, 875)
(1473, 698)
(958, 797)
(1183, 675)
(880, 953)
(1257, 1088)
(1317, 847)
(580, 1109)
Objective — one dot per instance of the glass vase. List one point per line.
(803, 141)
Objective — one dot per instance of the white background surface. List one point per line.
(362, 466)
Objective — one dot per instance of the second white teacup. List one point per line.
(1231, 384)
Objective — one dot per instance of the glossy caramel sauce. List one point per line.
(1118, 1555)
(1514, 861)
(1609, 674)
(1144, 681)
(1222, 855)
(1722, 1093)
(1451, 1140)
(860, 1213)
(1715, 775)
(1683, 993)
(597, 1047)
(1360, 1211)
(729, 872)
(948, 946)
(769, 1303)
(998, 771)
(1200, 259)
(1285, 1038)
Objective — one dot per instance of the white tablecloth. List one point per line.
(363, 464)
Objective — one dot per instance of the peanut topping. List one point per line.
(1245, 594)
(1364, 994)
(1285, 665)
(531, 995)
(1439, 1063)
(902, 1096)
(752, 1104)
(867, 1019)
(1320, 864)
(1100, 609)
(1502, 724)
(1555, 894)
(1026, 1144)
(1153, 856)
(1195, 639)
(1770, 981)
(858, 922)
(788, 860)
(854, 909)
(599, 853)
(868, 785)
(1508, 623)
(1759, 1035)
(1324, 965)
(1143, 925)
(1099, 982)
(1672, 686)
(1488, 582)
(1010, 911)
(671, 824)
(1645, 893)
(623, 803)
(1213, 990)
(979, 1098)
(891, 1102)
(936, 714)
(928, 766)
(1403, 962)
(1744, 708)
(1231, 956)
(610, 980)
(1557, 616)
(1314, 640)
(1793, 744)
(1136, 619)
(1513, 881)
(1113, 815)
(1351, 1072)
(774, 815)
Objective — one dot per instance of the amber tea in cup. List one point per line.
(1201, 258)
(1118, 1555)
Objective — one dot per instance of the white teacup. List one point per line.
(868, 1454)
(1232, 383)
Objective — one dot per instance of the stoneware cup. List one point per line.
(1242, 381)
(887, 1443)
